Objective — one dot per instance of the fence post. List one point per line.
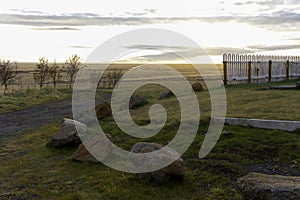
(249, 72)
(225, 72)
(270, 70)
(287, 69)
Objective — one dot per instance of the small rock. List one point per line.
(225, 132)
(269, 187)
(103, 110)
(197, 87)
(137, 101)
(103, 149)
(67, 134)
(166, 94)
(175, 170)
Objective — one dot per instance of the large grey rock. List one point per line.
(174, 170)
(137, 101)
(101, 147)
(103, 110)
(197, 87)
(269, 187)
(67, 134)
(166, 94)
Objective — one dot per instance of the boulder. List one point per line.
(275, 187)
(67, 134)
(103, 149)
(103, 110)
(174, 170)
(166, 94)
(197, 87)
(137, 101)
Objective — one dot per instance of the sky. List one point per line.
(57, 29)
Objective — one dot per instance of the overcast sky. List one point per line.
(57, 29)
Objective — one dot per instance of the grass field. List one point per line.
(30, 97)
(30, 170)
(25, 76)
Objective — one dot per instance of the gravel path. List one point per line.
(31, 118)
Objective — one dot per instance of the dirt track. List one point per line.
(20, 121)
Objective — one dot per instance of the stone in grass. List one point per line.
(166, 94)
(225, 132)
(67, 135)
(101, 147)
(103, 110)
(175, 170)
(137, 101)
(197, 87)
(267, 187)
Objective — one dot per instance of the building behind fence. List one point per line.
(239, 69)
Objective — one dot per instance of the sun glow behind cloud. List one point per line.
(31, 29)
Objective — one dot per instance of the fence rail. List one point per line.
(239, 69)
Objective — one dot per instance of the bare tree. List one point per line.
(55, 73)
(8, 73)
(112, 77)
(41, 74)
(73, 64)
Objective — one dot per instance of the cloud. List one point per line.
(58, 29)
(79, 47)
(282, 20)
(27, 11)
(156, 47)
(144, 12)
(222, 50)
(179, 52)
(274, 47)
(270, 5)
(190, 53)
(83, 19)
(262, 3)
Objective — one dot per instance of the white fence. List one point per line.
(240, 69)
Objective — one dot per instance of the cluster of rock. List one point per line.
(68, 135)
(197, 87)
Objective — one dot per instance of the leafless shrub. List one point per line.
(8, 73)
(41, 74)
(71, 68)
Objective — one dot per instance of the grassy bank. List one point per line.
(30, 170)
(30, 97)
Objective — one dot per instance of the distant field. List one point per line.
(25, 76)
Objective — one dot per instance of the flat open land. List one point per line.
(30, 170)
